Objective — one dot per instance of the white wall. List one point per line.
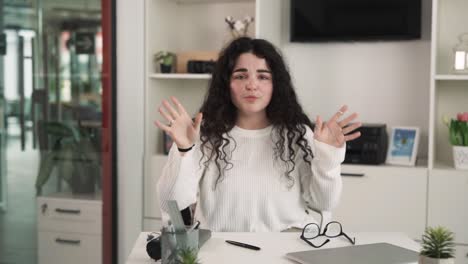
(130, 109)
(386, 82)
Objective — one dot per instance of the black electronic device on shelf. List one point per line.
(370, 147)
(200, 66)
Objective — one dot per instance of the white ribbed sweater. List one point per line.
(253, 195)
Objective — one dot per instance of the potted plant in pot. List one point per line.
(458, 132)
(437, 246)
(165, 59)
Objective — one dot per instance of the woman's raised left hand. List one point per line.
(336, 132)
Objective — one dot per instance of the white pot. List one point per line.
(428, 260)
(460, 157)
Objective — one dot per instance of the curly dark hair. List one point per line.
(283, 111)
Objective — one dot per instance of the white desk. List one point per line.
(274, 246)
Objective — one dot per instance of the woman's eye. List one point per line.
(264, 77)
(239, 77)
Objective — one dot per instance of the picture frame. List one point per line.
(403, 146)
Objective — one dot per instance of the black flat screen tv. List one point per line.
(354, 20)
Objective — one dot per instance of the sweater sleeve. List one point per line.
(321, 181)
(179, 180)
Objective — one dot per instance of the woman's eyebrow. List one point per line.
(245, 70)
(240, 70)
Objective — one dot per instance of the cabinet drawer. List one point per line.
(383, 199)
(59, 248)
(69, 215)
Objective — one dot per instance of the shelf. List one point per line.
(180, 76)
(451, 77)
(448, 166)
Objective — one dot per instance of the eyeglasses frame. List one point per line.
(352, 241)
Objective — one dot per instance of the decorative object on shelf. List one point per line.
(238, 28)
(460, 54)
(438, 246)
(184, 58)
(165, 59)
(458, 132)
(403, 146)
(200, 66)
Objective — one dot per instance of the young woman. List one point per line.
(249, 160)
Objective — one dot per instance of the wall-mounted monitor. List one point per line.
(354, 20)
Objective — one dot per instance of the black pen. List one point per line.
(240, 244)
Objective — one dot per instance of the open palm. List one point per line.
(334, 132)
(181, 128)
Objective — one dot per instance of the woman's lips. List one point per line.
(250, 98)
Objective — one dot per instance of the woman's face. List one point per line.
(251, 85)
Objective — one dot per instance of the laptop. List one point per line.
(379, 253)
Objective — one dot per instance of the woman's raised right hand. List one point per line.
(183, 131)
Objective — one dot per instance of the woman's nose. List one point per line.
(251, 84)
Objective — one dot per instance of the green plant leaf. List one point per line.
(464, 132)
(47, 165)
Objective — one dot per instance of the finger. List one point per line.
(348, 120)
(339, 113)
(352, 136)
(165, 115)
(318, 124)
(171, 109)
(198, 120)
(179, 106)
(351, 128)
(162, 126)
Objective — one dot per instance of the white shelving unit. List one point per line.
(447, 187)
(183, 26)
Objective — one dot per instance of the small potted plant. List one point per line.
(188, 256)
(437, 246)
(165, 59)
(183, 255)
(458, 132)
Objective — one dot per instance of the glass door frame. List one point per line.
(109, 135)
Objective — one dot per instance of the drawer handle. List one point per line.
(352, 174)
(67, 211)
(67, 241)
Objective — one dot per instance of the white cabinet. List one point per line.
(69, 229)
(448, 202)
(383, 199)
(447, 191)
